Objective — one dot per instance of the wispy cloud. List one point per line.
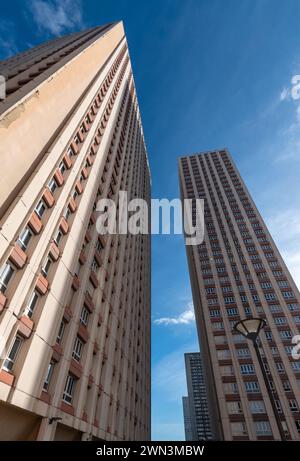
(55, 16)
(185, 318)
(8, 46)
(285, 94)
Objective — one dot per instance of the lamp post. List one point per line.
(250, 328)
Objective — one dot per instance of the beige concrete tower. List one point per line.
(74, 305)
(238, 272)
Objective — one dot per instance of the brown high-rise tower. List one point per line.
(74, 305)
(238, 272)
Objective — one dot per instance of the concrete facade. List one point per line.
(74, 305)
(238, 272)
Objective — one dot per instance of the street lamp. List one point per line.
(250, 328)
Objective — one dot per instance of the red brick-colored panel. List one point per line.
(74, 147)
(78, 187)
(35, 223)
(75, 368)
(72, 205)
(67, 161)
(93, 279)
(54, 251)
(42, 284)
(45, 397)
(88, 302)
(75, 283)
(17, 256)
(67, 408)
(6, 377)
(64, 226)
(88, 236)
(57, 352)
(84, 173)
(68, 314)
(59, 177)
(80, 136)
(82, 258)
(25, 326)
(98, 257)
(48, 197)
(83, 333)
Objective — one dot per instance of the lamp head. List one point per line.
(250, 327)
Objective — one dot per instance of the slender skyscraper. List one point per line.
(195, 407)
(74, 304)
(238, 272)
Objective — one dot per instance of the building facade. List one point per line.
(238, 272)
(187, 419)
(74, 304)
(195, 406)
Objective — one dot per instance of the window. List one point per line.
(12, 355)
(252, 387)
(60, 332)
(84, 316)
(280, 320)
(48, 376)
(77, 351)
(230, 388)
(280, 367)
(62, 167)
(288, 294)
(270, 296)
(263, 428)
(247, 369)
(229, 300)
(244, 352)
(67, 213)
(296, 366)
(285, 334)
(234, 407)
(293, 405)
(232, 311)
(214, 313)
(6, 273)
(286, 386)
(298, 425)
(239, 429)
(40, 208)
(69, 389)
(31, 304)
(52, 185)
(58, 237)
(24, 238)
(257, 406)
(46, 266)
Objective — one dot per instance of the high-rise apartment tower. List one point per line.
(238, 272)
(195, 406)
(74, 304)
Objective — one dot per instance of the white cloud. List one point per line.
(285, 94)
(285, 229)
(55, 16)
(185, 318)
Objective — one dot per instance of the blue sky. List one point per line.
(209, 74)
